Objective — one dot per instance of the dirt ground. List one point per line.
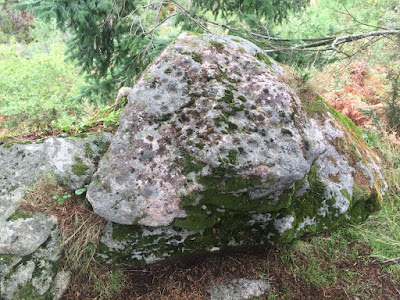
(292, 276)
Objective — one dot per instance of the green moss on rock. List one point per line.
(29, 292)
(219, 46)
(89, 153)
(9, 144)
(77, 136)
(196, 57)
(21, 214)
(228, 97)
(263, 57)
(242, 98)
(79, 168)
(6, 259)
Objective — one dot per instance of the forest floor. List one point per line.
(323, 267)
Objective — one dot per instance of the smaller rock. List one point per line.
(29, 241)
(238, 289)
(25, 234)
(30, 274)
(60, 284)
(73, 159)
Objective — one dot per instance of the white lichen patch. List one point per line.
(238, 289)
(16, 280)
(308, 221)
(283, 224)
(260, 219)
(43, 282)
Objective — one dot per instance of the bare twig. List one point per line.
(275, 44)
(189, 15)
(359, 22)
(312, 44)
(389, 262)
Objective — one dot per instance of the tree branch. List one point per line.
(313, 45)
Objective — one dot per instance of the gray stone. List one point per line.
(60, 284)
(73, 160)
(29, 242)
(238, 289)
(30, 276)
(215, 151)
(24, 235)
(20, 166)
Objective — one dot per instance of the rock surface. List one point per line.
(215, 150)
(238, 289)
(29, 243)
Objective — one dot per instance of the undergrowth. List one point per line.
(38, 91)
(80, 230)
(35, 88)
(382, 230)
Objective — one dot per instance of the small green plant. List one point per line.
(61, 200)
(371, 138)
(90, 247)
(305, 74)
(81, 191)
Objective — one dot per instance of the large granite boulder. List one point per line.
(29, 241)
(215, 150)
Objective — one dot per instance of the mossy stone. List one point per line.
(79, 168)
(20, 214)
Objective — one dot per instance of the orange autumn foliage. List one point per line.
(352, 88)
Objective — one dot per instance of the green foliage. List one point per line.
(332, 18)
(79, 168)
(382, 230)
(102, 42)
(35, 87)
(61, 199)
(276, 9)
(82, 190)
(14, 24)
(371, 138)
(327, 18)
(114, 41)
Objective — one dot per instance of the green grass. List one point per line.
(382, 230)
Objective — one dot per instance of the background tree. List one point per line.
(113, 41)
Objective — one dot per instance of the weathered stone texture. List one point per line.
(29, 241)
(216, 149)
